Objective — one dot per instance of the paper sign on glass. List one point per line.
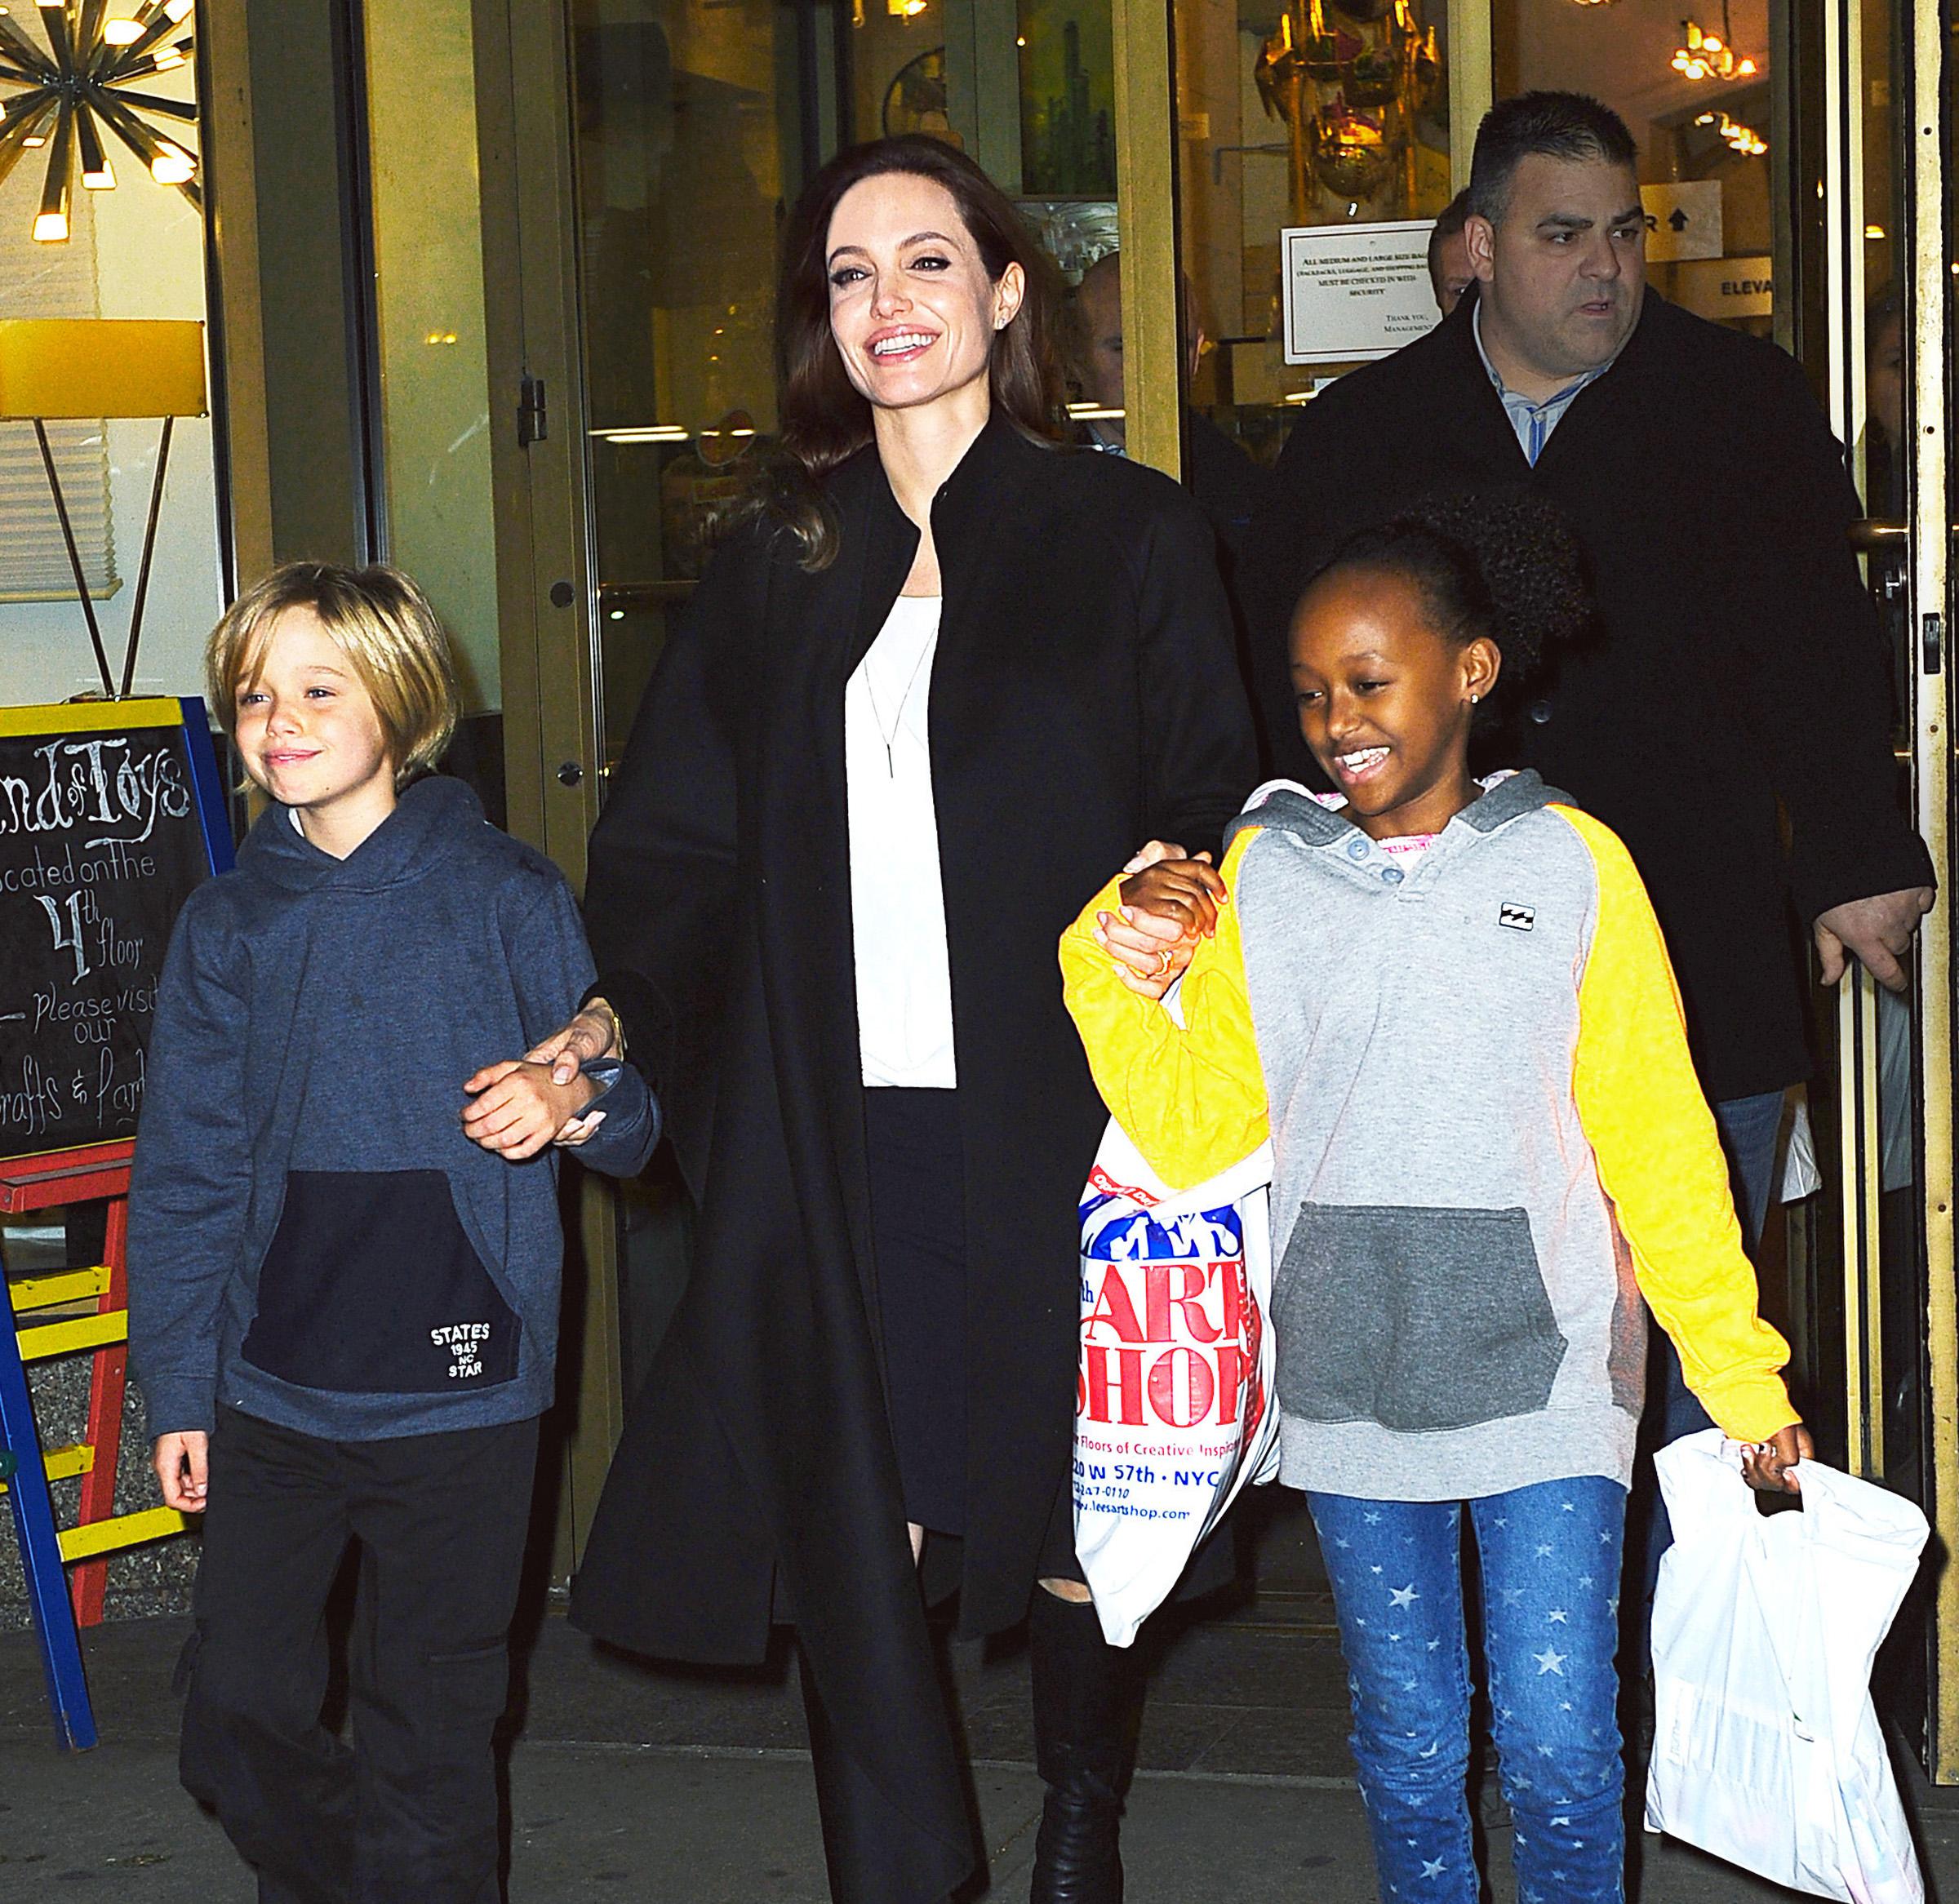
(1356, 292)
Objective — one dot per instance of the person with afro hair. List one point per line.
(1447, 1003)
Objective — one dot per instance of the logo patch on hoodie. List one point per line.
(1518, 918)
(463, 1343)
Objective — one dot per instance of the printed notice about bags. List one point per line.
(110, 814)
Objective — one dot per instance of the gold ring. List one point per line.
(1163, 955)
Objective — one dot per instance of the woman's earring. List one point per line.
(1474, 699)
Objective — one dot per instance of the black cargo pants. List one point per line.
(409, 1810)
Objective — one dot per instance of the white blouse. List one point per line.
(905, 986)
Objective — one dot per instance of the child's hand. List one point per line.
(1764, 1466)
(1168, 907)
(517, 1110)
(181, 1462)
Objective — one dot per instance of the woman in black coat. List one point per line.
(881, 1328)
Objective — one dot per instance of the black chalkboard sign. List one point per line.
(110, 812)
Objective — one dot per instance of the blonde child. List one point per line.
(343, 1303)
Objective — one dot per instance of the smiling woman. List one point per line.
(824, 897)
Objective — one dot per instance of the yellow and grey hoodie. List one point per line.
(1489, 1142)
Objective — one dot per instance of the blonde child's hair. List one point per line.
(379, 620)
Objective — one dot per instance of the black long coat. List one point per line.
(1083, 698)
(1739, 666)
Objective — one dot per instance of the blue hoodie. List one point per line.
(312, 1239)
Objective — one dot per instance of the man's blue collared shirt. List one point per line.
(1533, 422)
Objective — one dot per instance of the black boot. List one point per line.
(1087, 1699)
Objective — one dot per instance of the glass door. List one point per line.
(1888, 288)
(1861, 291)
(1289, 123)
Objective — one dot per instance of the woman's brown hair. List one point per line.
(824, 417)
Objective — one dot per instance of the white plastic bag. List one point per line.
(1766, 1749)
(1175, 1409)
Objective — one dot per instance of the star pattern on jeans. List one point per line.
(1548, 1574)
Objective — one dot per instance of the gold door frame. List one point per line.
(1927, 574)
(1930, 596)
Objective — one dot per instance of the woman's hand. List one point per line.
(1169, 903)
(1765, 1465)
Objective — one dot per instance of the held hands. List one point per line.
(520, 1108)
(1764, 1466)
(1878, 932)
(1170, 902)
(589, 1035)
(181, 1465)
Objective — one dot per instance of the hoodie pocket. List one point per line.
(371, 1286)
(1420, 1320)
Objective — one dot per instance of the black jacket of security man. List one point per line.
(1738, 659)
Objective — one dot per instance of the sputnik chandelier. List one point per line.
(79, 84)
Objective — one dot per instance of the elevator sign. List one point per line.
(1356, 292)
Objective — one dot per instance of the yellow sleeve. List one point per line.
(1192, 1098)
(1659, 1156)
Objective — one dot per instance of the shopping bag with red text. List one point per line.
(1173, 1405)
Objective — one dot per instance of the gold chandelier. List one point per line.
(1705, 56)
(80, 84)
(1744, 139)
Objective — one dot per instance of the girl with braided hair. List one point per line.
(1446, 1001)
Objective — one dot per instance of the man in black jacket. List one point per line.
(1738, 662)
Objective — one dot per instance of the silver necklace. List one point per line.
(889, 736)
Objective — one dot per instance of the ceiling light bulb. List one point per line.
(122, 32)
(172, 165)
(167, 57)
(51, 228)
(179, 10)
(101, 180)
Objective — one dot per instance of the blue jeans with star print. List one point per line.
(1549, 1560)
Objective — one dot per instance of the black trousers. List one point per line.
(918, 1180)
(410, 1811)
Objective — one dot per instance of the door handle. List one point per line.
(1877, 535)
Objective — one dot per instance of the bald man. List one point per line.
(1449, 271)
(1227, 486)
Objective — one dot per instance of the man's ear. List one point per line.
(1479, 235)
